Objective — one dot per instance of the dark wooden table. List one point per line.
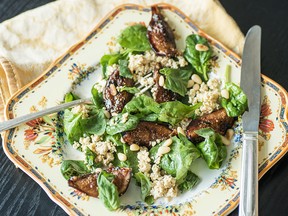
(20, 195)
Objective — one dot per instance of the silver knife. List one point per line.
(250, 84)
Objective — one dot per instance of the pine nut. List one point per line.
(196, 78)
(134, 147)
(201, 47)
(107, 114)
(190, 84)
(225, 93)
(161, 81)
(167, 142)
(122, 140)
(113, 90)
(196, 87)
(122, 157)
(229, 134)
(225, 141)
(180, 131)
(163, 150)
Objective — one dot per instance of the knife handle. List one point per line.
(249, 176)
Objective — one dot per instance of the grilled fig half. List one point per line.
(161, 94)
(114, 100)
(160, 35)
(88, 183)
(218, 120)
(146, 132)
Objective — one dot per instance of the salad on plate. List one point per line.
(155, 111)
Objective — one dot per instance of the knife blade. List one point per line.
(251, 85)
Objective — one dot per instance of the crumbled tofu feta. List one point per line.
(208, 94)
(144, 160)
(100, 85)
(142, 64)
(103, 149)
(80, 109)
(164, 186)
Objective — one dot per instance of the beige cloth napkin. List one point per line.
(32, 40)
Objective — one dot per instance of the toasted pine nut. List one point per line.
(225, 141)
(229, 134)
(196, 78)
(161, 81)
(107, 114)
(196, 87)
(180, 131)
(190, 84)
(167, 142)
(225, 93)
(134, 147)
(163, 150)
(122, 140)
(201, 47)
(122, 157)
(113, 89)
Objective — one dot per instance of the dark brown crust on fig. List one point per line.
(160, 35)
(88, 183)
(146, 132)
(218, 120)
(115, 103)
(161, 94)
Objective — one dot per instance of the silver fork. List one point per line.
(6, 125)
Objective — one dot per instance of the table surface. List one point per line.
(20, 195)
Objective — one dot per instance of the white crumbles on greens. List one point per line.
(155, 111)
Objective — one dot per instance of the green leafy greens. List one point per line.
(200, 60)
(120, 123)
(177, 162)
(75, 126)
(212, 149)
(190, 181)
(108, 192)
(145, 184)
(124, 70)
(134, 38)
(237, 103)
(71, 168)
(176, 79)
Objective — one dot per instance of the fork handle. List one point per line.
(249, 176)
(25, 118)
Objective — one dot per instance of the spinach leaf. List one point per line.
(90, 159)
(120, 123)
(70, 97)
(174, 111)
(124, 70)
(212, 149)
(108, 192)
(142, 106)
(189, 182)
(71, 168)
(237, 103)
(134, 38)
(176, 79)
(178, 161)
(108, 60)
(145, 185)
(132, 90)
(75, 126)
(97, 98)
(200, 60)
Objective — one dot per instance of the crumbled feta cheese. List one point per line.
(208, 94)
(144, 160)
(164, 186)
(111, 68)
(80, 109)
(142, 64)
(100, 85)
